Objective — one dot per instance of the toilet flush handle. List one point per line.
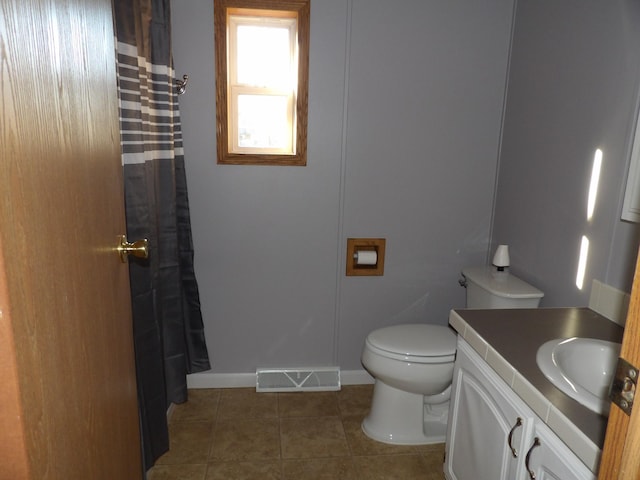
(463, 282)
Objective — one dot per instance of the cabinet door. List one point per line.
(548, 458)
(481, 422)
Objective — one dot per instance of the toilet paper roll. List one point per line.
(366, 257)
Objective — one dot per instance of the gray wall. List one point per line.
(573, 87)
(406, 101)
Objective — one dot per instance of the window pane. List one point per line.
(264, 56)
(263, 122)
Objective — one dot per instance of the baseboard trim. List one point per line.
(356, 377)
(170, 411)
(221, 380)
(245, 380)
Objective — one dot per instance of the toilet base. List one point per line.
(401, 418)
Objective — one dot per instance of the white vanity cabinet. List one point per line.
(493, 434)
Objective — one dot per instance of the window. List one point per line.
(262, 71)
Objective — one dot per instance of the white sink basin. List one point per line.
(583, 368)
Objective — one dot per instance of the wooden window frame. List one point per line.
(301, 8)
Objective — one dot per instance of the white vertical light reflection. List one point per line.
(593, 186)
(582, 262)
(54, 41)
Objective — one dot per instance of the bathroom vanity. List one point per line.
(506, 420)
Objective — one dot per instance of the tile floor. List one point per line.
(234, 434)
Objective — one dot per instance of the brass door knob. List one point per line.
(138, 249)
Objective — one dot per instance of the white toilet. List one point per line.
(413, 364)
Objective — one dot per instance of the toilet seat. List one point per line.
(418, 343)
(412, 358)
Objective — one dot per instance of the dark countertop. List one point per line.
(517, 334)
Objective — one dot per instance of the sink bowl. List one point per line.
(583, 368)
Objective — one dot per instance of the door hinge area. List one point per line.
(623, 388)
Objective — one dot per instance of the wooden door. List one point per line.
(621, 452)
(68, 407)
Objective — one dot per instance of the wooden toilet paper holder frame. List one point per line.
(355, 245)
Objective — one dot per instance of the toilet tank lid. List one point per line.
(501, 284)
(418, 340)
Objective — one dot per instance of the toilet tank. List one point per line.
(489, 288)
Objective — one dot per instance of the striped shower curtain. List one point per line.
(168, 327)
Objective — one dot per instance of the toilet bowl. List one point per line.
(413, 367)
(413, 364)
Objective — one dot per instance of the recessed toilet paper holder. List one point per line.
(365, 256)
